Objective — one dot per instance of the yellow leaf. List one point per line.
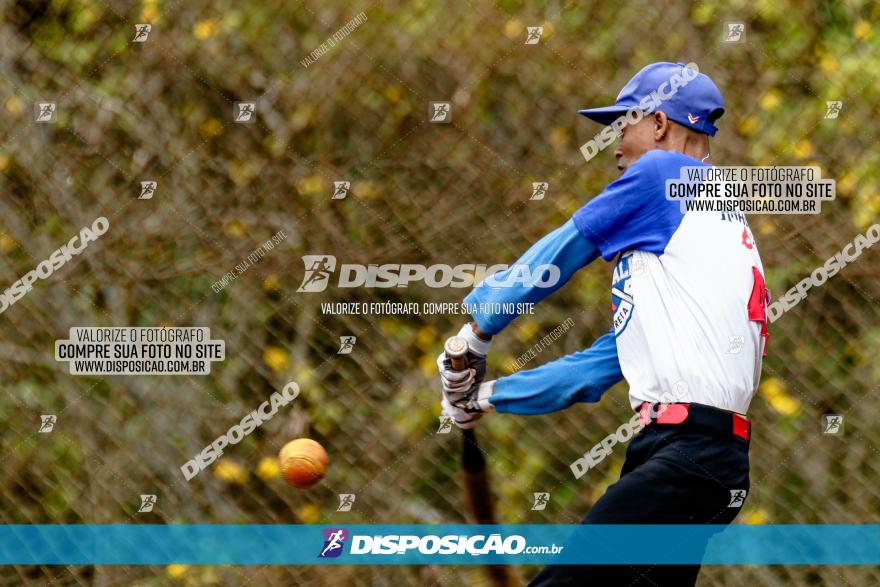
(271, 283)
(268, 468)
(211, 127)
(276, 358)
(558, 137)
(304, 375)
(14, 106)
(149, 14)
(7, 243)
(231, 472)
(527, 330)
(310, 185)
(772, 387)
(828, 64)
(365, 190)
(507, 360)
(702, 13)
(425, 337)
(428, 365)
(862, 30)
(771, 100)
(176, 571)
(773, 390)
(205, 29)
(748, 125)
(757, 516)
(394, 93)
(309, 513)
(766, 228)
(864, 218)
(242, 172)
(787, 406)
(235, 228)
(569, 205)
(513, 28)
(846, 183)
(803, 149)
(389, 326)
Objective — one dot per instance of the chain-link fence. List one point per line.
(163, 109)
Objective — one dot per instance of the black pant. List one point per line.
(673, 474)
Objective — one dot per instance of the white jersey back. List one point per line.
(688, 291)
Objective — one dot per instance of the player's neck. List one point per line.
(694, 145)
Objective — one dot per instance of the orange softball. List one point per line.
(303, 462)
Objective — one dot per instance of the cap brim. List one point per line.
(605, 115)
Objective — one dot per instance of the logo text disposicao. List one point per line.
(320, 268)
(449, 544)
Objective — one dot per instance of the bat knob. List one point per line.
(456, 349)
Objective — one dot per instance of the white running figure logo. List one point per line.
(333, 543)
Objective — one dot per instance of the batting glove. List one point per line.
(478, 404)
(458, 385)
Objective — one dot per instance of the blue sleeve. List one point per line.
(545, 267)
(580, 377)
(632, 213)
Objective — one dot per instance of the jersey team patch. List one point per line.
(621, 293)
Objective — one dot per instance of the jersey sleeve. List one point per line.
(632, 213)
(564, 248)
(579, 377)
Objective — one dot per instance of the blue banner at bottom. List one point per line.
(89, 544)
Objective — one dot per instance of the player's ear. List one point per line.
(661, 126)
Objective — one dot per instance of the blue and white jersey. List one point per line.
(688, 301)
(688, 295)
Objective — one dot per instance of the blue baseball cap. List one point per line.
(686, 96)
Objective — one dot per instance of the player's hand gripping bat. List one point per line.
(473, 464)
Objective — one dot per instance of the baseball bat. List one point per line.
(473, 463)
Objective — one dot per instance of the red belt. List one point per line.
(697, 415)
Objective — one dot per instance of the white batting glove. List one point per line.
(457, 385)
(458, 416)
(478, 404)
